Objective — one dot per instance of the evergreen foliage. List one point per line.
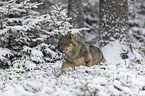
(16, 27)
(29, 38)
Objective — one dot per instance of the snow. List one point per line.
(116, 77)
(113, 78)
(4, 52)
(112, 52)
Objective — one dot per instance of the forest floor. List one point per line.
(115, 77)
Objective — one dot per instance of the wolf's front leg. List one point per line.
(66, 64)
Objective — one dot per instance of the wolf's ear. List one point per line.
(60, 35)
(69, 35)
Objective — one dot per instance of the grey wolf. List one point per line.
(77, 53)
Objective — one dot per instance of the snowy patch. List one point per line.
(4, 52)
(112, 52)
(96, 80)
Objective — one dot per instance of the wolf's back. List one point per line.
(97, 55)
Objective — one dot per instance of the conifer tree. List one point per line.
(24, 34)
(15, 28)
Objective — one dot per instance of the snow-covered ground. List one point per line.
(117, 77)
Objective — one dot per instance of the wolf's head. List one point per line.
(67, 43)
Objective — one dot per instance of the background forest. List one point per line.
(30, 59)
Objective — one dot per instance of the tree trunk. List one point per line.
(113, 22)
(75, 10)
